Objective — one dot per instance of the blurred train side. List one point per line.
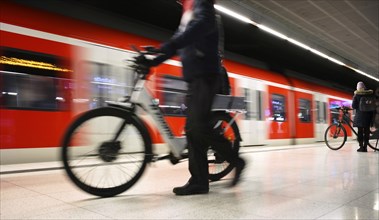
(53, 68)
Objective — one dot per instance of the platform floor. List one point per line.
(288, 182)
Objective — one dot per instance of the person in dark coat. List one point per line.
(196, 42)
(362, 120)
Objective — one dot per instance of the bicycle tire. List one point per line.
(219, 167)
(97, 164)
(374, 144)
(333, 137)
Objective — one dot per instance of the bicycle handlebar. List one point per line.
(151, 50)
(344, 108)
(148, 50)
(141, 64)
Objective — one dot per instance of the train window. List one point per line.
(29, 80)
(304, 114)
(321, 112)
(251, 105)
(108, 83)
(278, 108)
(173, 94)
(259, 105)
(248, 101)
(324, 104)
(24, 91)
(28, 62)
(334, 113)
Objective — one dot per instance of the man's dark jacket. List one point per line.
(196, 42)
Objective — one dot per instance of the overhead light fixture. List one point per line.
(299, 44)
(271, 31)
(234, 14)
(282, 36)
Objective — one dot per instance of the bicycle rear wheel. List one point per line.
(105, 151)
(373, 142)
(218, 166)
(335, 136)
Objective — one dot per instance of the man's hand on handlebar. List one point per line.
(151, 50)
(344, 108)
(142, 64)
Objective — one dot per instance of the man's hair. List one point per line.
(361, 86)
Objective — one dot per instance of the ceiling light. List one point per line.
(299, 44)
(271, 31)
(234, 14)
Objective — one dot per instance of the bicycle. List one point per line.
(105, 150)
(336, 134)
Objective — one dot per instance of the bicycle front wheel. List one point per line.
(105, 151)
(335, 136)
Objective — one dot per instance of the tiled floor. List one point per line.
(294, 182)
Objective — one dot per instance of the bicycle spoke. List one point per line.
(123, 124)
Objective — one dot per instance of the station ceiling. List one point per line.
(347, 30)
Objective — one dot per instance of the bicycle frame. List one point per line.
(348, 121)
(142, 98)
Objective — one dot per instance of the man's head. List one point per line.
(361, 86)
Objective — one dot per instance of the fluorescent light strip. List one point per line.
(234, 14)
(363, 73)
(299, 44)
(337, 61)
(273, 32)
(319, 53)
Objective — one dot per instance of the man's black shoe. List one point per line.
(240, 165)
(191, 189)
(362, 149)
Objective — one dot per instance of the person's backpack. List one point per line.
(367, 104)
(224, 88)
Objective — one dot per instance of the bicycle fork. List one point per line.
(338, 131)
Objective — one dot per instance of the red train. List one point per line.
(53, 67)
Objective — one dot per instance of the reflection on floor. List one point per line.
(290, 182)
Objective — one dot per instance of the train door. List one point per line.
(252, 125)
(320, 116)
(304, 123)
(280, 115)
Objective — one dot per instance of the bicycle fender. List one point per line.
(238, 135)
